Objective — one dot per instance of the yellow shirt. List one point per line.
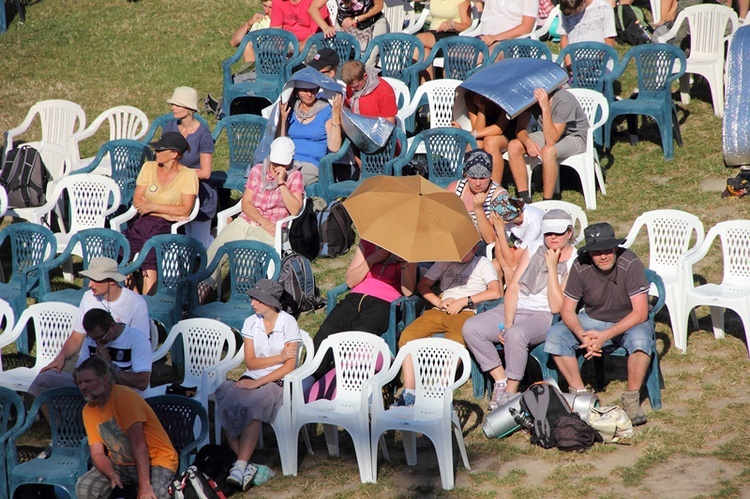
(107, 425)
(186, 182)
(444, 10)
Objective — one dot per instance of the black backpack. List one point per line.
(631, 27)
(24, 177)
(194, 484)
(215, 461)
(303, 233)
(336, 230)
(300, 292)
(572, 434)
(546, 405)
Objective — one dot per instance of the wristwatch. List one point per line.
(469, 302)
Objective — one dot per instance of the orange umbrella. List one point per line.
(413, 218)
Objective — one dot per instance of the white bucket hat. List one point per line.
(101, 269)
(186, 97)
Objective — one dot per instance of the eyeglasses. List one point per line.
(102, 338)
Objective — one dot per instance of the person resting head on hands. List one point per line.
(165, 192)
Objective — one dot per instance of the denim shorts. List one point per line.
(561, 341)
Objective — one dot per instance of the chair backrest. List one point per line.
(59, 120)
(590, 61)
(178, 415)
(126, 158)
(244, 132)
(31, 245)
(403, 97)
(53, 324)
(521, 47)
(177, 258)
(204, 340)
(435, 361)
(380, 162)
(441, 99)
(56, 158)
(65, 406)
(578, 214)
(162, 120)
(396, 51)
(655, 64)
(333, 9)
(356, 356)
(344, 44)
(655, 6)
(398, 14)
(735, 246)
(461, 55)
(445, 149)
(125, 122)
(273, 49)
(670, 233)
(248, 262)
(595, 106)
(708, 30)
(91, 199)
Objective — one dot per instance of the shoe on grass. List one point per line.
(247, 478)
(497, 393)
(631, 402)
(236, 475)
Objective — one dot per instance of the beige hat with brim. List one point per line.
(101, 269)
(186, 97)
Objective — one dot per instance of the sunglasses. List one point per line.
(556, 234)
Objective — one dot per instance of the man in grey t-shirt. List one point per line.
(563, 127)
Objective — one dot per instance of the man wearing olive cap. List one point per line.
(610, 282)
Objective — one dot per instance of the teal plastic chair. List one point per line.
(243, 132)
(445, 149)
(655, 64)
(126, 157)
(248, 262)
(274, 48)
(177, 258)
(162, 120)
(31, 246)
(590, 62)
(12, 415)
(654, 380)
(346, 46)
(381, 162)
(178, 415)
(70, 450)
(460, 54)
(521, 47)
(92, 243)
(396, 56)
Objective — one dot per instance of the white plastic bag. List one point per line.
(612, 423)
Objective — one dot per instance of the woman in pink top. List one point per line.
(293, 16)
(376, 278)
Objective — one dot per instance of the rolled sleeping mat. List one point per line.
(582, 403)
(736, 126)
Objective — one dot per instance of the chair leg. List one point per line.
(717, 320)
(409, 438)
(685, 89)
(444, 450)
(460, 441)
(654, 382)
(331, 433)
(676, 127)
(542, 358)
(477, 380)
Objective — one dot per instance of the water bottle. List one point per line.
(501, 330)
(523, 419)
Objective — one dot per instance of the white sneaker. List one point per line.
(497, 392)
(235, 476)
(247, 478)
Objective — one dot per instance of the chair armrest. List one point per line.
(333, 296)
(117, 222)
(226, 65)
(414, 28)
(193, 213)
(8, 337)
(221, 217)
(11, 134)
(161, 352)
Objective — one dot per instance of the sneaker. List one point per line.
(247, 478)
(263, 474)
(236, 475)
(47, 452)
(498, 392)
(631, 402)
(405, 399)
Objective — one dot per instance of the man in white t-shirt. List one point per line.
(463, 285)
(586, 21)
(507, 19)
(105, 292)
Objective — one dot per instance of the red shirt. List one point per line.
(380, 103)
(295, 18)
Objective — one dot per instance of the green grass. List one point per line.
(102, 53)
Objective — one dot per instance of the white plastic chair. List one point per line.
(670, 233)
(53, 324)
(355, 356)
(441, 98)
(655, 10)
(116, 223)
(435, 361)
(204, 341)
(125, 122)
(708, 38)
(580, 220)
(3, 201)
(91, 198)
(402, 18)
(282, 424)
(734, 290)
(59, 120)
(542, 30)
(281, 238)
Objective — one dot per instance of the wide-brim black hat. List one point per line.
(600, 237)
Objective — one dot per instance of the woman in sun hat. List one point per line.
(533, 294)
(518, 230)
(271, 338)
(184, 102)
(165, 192)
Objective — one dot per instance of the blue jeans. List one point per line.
(561, 340)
